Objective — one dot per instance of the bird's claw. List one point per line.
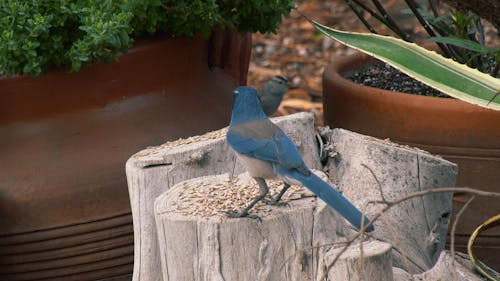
(243, 214)
(275, 202)
(234, 214)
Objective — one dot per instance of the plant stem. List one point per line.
(360, 17)
(496, 70)
(452, 233)
(434, 8)
(413, 7)
(381, 19)
(480, 31)
(370, 11)
(390, 22)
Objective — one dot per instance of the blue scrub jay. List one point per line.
(267, 153)
(271, 94)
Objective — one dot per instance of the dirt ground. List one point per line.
(300, 53)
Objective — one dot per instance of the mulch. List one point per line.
(298, 52)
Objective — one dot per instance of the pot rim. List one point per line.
(410, 119)
(343, 63)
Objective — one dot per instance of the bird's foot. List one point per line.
(234, 214)
(242, 214)
(275, 202)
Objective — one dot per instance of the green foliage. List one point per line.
(467, 44)
(462, 30)
(444, 74)
(39, 34)
(459, 35)
(253, 16)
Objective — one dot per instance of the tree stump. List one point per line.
(199, 242)
(154, 170)
(366, 168)
(370, 262)
(363, 167)
(445, 269)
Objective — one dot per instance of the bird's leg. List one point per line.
(277, 198)
(244, 213)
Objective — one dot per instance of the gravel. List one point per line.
(383, 76)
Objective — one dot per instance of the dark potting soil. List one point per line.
(383, 76)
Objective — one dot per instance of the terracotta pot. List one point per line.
(460, 132)
(65, 138)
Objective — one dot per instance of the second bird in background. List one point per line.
(271, 94)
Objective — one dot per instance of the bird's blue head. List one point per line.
(246, 106)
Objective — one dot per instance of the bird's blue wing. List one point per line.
(261, 149)
(287, 153)
(263, 140)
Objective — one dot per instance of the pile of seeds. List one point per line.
(207, 199)
(208, 136)
(194, 139)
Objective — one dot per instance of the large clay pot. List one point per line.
(65, 138)
(460, 132)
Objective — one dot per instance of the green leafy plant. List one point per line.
(37, 35)
(458, 34)
(446, 75)
(463, 29)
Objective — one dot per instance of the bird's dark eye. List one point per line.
(280, 79)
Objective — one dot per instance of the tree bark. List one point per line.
(369, 262)
(290, 243)
(154, 170)
(199, 242)
(384, 170)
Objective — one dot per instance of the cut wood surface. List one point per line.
(298, 238)
(154, 170)
(199, 242)
(445, 269)
(381, 169)
(371, 261)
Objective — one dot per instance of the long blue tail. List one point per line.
(333, 198)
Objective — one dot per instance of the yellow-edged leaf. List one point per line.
(432, 69)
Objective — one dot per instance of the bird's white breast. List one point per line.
(256, 167)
